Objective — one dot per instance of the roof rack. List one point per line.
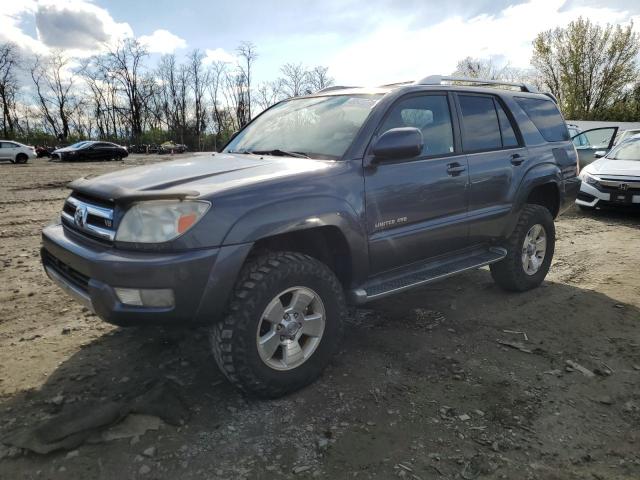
(438, 79)
(335, 87)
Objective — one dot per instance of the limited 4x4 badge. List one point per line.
(389, 223)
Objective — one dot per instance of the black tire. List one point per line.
(510, 273)
(233, 339)
(22, 158)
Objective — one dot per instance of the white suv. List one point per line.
(16, 152)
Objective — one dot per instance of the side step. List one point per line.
(422, 273)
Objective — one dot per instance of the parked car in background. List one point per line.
(16, 152)
(90, 150)
(172, 147)
(626, 134)
(574, 130)
(44, 151)
(613, 179)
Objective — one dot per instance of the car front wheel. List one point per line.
(284, 324)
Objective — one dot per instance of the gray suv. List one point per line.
(336, 198)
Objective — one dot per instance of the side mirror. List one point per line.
(599, 154)
(405, 142)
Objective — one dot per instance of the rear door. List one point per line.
(589, 142)
(416, 207)
(497, 161)
(9, 150)
(5, 150)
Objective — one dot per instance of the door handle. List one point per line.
(455, 169)
(517, 159)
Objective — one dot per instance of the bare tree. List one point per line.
(199, 78)
(124, 62)
(485, 68)
(295, 79)
(216, 86)
(319, 78)
(54, 81)
(9, 60)
(268, 93)
(247, 55)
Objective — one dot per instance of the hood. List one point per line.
(606, 166)
(194, 176)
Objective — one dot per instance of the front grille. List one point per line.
(72, 276)
(612, 185)
(96, 219)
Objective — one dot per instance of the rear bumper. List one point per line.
(201, 280)
(590, 196)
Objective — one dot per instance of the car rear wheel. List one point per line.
(284, 324)
(529, 251)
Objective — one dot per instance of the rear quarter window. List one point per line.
(546, 117)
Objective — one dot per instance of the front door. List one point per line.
(589, 142)
(416, 207)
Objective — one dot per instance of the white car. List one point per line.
(613, 179)
(627, 134)
(16, 152)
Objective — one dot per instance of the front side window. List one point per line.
(318, 127)
(480, 124)
(428, 113)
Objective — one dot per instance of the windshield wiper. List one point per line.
(280, 153)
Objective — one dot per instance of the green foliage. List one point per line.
(591, 69)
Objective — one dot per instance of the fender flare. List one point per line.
(303, 213)
(540, 174)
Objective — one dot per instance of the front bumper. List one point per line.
(89, 271)
(590, 196)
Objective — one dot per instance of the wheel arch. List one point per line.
(541, 185)
(323, 227)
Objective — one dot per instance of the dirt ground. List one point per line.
(425, 386)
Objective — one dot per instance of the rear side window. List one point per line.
(546, 117)
(480, 123)
(509, 138)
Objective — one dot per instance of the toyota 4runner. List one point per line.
(336, 198)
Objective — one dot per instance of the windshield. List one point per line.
(320, 127)
(629, 150)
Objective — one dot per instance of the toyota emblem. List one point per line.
(80, 216)
(623, 186)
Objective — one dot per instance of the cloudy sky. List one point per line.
(361, 41)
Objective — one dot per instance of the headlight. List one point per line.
(160, 221)
(590, 180)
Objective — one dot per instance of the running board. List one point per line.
(423, 273)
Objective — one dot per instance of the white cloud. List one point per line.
(163, 41)
(79, 27)
(398, 51)
(218, 55)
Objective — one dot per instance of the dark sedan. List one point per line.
(90, 150)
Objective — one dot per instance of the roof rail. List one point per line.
(335, 87)
(395, 84)
(438, 79)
